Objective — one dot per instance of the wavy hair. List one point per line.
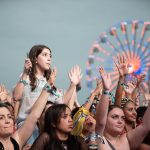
(33, 54)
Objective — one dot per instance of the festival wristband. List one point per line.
(109, 94)
(24, 82)
(51, 90)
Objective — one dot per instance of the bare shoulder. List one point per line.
(120, 144)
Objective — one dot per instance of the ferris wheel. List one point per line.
(128, 38)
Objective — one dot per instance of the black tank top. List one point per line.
(15, 144)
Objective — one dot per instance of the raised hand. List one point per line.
(147, 96)
(140, 79)
(121, 65)
(99, 86)
(129, 88)
(90, 124)
(75, 75)
(105, 78)
(27, 65)
(3, 93)
(52, 77)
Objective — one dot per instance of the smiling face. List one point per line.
(115, 121)
(6, 122)
(65, 125)
(130, 112)
(43, 60)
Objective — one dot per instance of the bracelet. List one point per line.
(93, 146)
(93, 137)
(23, 81)
(89, 101)
(47, 87)
(123, 84)
(93, 109)
(51, 90)
(111, 95)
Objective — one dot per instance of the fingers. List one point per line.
(90, 121)
(27, 64)
(120, 59)
(54, 72)
(101, 71)
(2, 88)
(75, 74)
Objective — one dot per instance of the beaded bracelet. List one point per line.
(93, 137)
(24, 82)
(47, 87)
(123, 84)
(51, 90)
(110, 94)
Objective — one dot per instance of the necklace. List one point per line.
(64, 146)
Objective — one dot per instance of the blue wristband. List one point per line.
(24, 82)
(47, 87)
(111, 95)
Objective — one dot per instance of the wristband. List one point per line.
(51, 90)
(111, 95)
(47, 87)
(123, 84)
(93, 137)
(24, 82)
(89, 101)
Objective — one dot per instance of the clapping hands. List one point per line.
(75, 75)
(105, 79)
(121, 65)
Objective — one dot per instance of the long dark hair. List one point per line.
(33, 54)
(52, 119)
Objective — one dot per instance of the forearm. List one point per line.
(89, 102)
(72, 100)
(146, 121)
(18, 90)
(134, 94)
(39, 105)
(16, 108)
(69, 93)
(76, 103)
(21, 135)
(101, 113)
(119, 91)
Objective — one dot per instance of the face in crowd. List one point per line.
(115, 121)
(6, 120)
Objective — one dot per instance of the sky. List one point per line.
(67, 27)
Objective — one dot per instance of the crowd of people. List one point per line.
(37, 115)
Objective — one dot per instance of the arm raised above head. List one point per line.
(25, 131)
(137, 135)
(122, 68)
(75, 77)
(102, 107)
